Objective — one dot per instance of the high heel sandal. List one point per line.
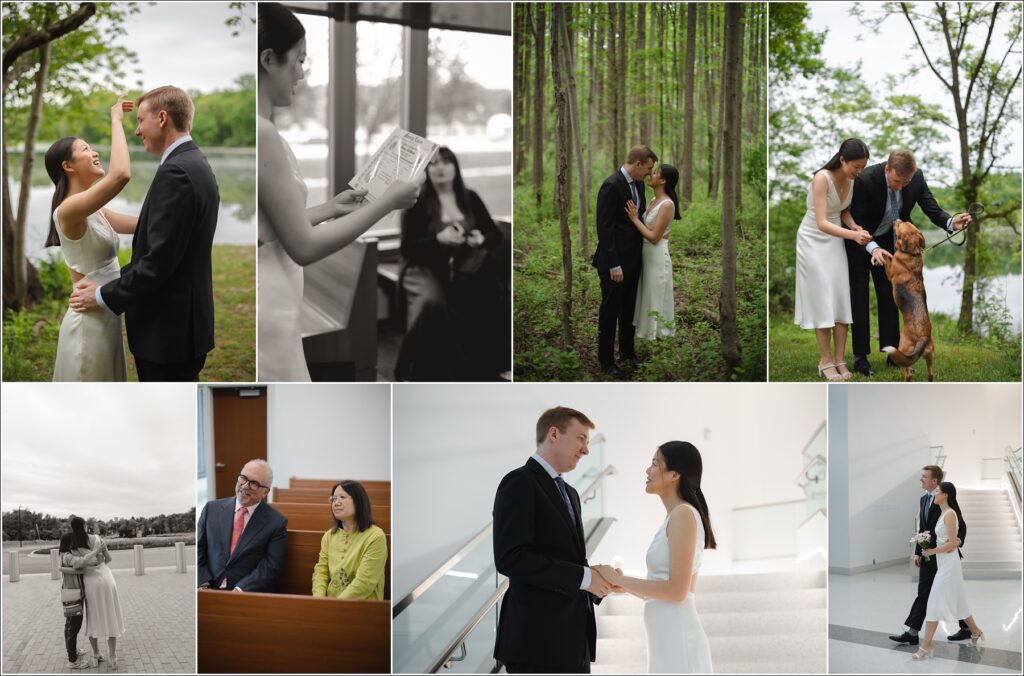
(921, 654)
(975, 640)
(833, 378)
(843, 375)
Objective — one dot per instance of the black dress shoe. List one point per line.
(863, 367)
(613, 371)
(961, 635)
(905, 637)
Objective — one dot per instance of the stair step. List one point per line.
(767, 623)
(760, 581)
(812, 665)
(783, 599)
(795, 648)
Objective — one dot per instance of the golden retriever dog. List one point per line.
(905, 272)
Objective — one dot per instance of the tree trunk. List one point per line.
(562, 165)
(737, 157)
(568, 67)
(709, 97)
(539, 74)
(621, 86)
(594, 97)
(19, 264)
(519, 83)
(643, 129)
(716, 176)
(731, 121)
(686, 180)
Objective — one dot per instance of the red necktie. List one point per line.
(236, 532)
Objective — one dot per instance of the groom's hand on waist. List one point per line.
(616, 274)
(83, 299)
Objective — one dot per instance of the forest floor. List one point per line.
(692, 354)
(30, 336)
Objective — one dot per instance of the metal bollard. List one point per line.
(179, 557)
(54, 564)
(140, 566)
(13, 564)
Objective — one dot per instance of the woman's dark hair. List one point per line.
(429, 193)
(671, 176)
(79, 538)
(683, 457)
(360, 500)
(277, 28)
(56, 155)
(950, 490)
(850, 149)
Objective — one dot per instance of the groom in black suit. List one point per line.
(928, 516)
(546, 623)
(618, 256)
(166, 291)
(883, 193)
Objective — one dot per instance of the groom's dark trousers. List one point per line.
(915, 620)
(870, 194)
(546, 622)
(619, 244)
(166, 291)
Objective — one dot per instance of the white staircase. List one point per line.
(761, 623)
(993, 548)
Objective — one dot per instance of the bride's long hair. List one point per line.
(683, 457)
(849, 150)
(79, 538)
(671, 176)
(950, 490)
(56, 155)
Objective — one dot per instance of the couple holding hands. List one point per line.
(547, 622)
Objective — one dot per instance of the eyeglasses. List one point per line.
(337, 498)
(253, 484)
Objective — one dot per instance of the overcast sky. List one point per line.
(188, 45)
(891, 50)
(99, 450)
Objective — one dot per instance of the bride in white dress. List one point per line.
(654, 294)
(947, 600)
(90, 346)
(290, 234)
(676, 642)
(822, 273)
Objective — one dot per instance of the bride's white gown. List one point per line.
(279, 292)
(676, 642)
(89, 346)
(655, 290)
(948, 597)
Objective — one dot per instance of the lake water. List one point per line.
(235, 170)
(944, 284)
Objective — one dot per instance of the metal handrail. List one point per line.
(816, 460)
(940, 459)
(814, 435)
(585, 496)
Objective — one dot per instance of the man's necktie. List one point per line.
(560, 482)
(236, 532)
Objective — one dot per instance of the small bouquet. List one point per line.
(922, 539)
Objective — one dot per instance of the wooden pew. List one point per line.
(339, 314)
(300, 557)
(304, 516)
(283, 633)
(327, 484)
(319, 495)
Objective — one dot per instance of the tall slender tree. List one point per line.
(686, 179)
(539, 76)
(731, 121)
(562, 125)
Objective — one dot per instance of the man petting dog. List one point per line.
(883, 194)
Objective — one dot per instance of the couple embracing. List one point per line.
(547, 622)
(632, 257)
(166, 291)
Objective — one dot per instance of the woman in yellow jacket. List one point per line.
(354, 553)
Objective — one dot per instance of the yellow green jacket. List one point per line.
(351, 565)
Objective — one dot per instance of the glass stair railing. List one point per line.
(449, 621)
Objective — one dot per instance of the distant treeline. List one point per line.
(28, 525)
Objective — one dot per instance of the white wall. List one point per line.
(889, 433)
(453, 444)
(329, 430)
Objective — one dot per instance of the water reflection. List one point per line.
(945, 283)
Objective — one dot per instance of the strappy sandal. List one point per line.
(833, 378)
(921, 654)
(845, 373)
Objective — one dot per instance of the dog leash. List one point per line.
(975, 211)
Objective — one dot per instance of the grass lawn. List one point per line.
(30, 336)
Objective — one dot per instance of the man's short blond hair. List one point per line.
(172, 100)
(902, 163)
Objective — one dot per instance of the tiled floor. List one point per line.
(864, 609)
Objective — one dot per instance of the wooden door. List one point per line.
(239, 433)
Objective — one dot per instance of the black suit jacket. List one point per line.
(930, 520)
(619, 244)
(545, 618)
(166, 291)
(258, 557)
(870, 192)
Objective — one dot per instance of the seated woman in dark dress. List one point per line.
(448, 279)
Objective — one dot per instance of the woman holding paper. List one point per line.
(287, 236)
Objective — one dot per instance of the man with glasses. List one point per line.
(882, 194)
(241, 540)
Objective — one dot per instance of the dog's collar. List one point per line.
(904, 251)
